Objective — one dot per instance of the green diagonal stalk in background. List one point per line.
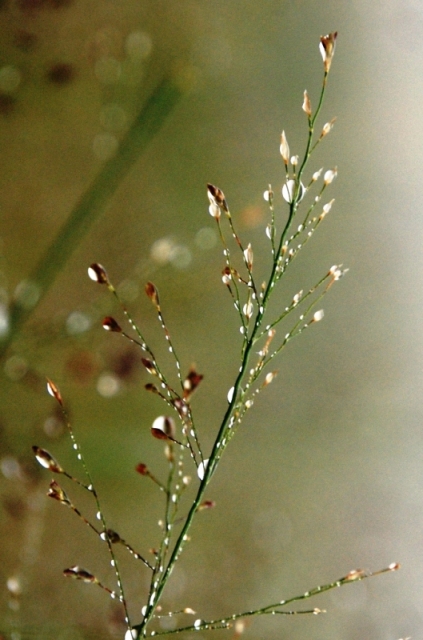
(93, 202)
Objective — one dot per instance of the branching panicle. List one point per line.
(260, 344)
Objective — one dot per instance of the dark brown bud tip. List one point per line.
(54, 391)
(98, 273)
(150, 366)
(159, 434)
(141, 468)
(57, 493)
(163, 428)
(207, 504)
(110, 324)
(151, 387)
(217, 197)
(113, 536)
(191, 382)
(152, 293)
(327, 49)
(79, 574)
(46, 460)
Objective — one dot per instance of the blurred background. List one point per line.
(326, 475)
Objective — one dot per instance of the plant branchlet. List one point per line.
(264, 334)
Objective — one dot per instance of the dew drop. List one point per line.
(112, 563)
(103, 536)
(198, 623)
(98, 515)
(79, 456)
(202, 468)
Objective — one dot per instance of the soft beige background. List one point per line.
(327, 473)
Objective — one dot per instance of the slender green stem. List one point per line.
(93, 202)
(274, 609)
(219, 443)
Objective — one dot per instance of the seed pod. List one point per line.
(307, 104)
(217, 197)
(163, 428)
(79, 574)
(150, 366)
(57, 493)
(191, 382)
(98, 273)
(284, 149)
(46, 460)
(327, 49)
(110, 324)
(54, 391)
(152, 293)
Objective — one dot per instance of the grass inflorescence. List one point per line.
(302, 199)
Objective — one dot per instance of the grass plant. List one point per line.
(264, 334)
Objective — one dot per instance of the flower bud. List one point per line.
(248, 256)
(110, 324)
(79, 574)
(330, 175)
(57, 493)
(163, 428)
(327, 128)
(327, 49)
(54, 391)
(284, 149)
(97, 273)
(217, 197)
(318, 316)
(46, 460)
(150, 366)
(307, 104)
(152, 293)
